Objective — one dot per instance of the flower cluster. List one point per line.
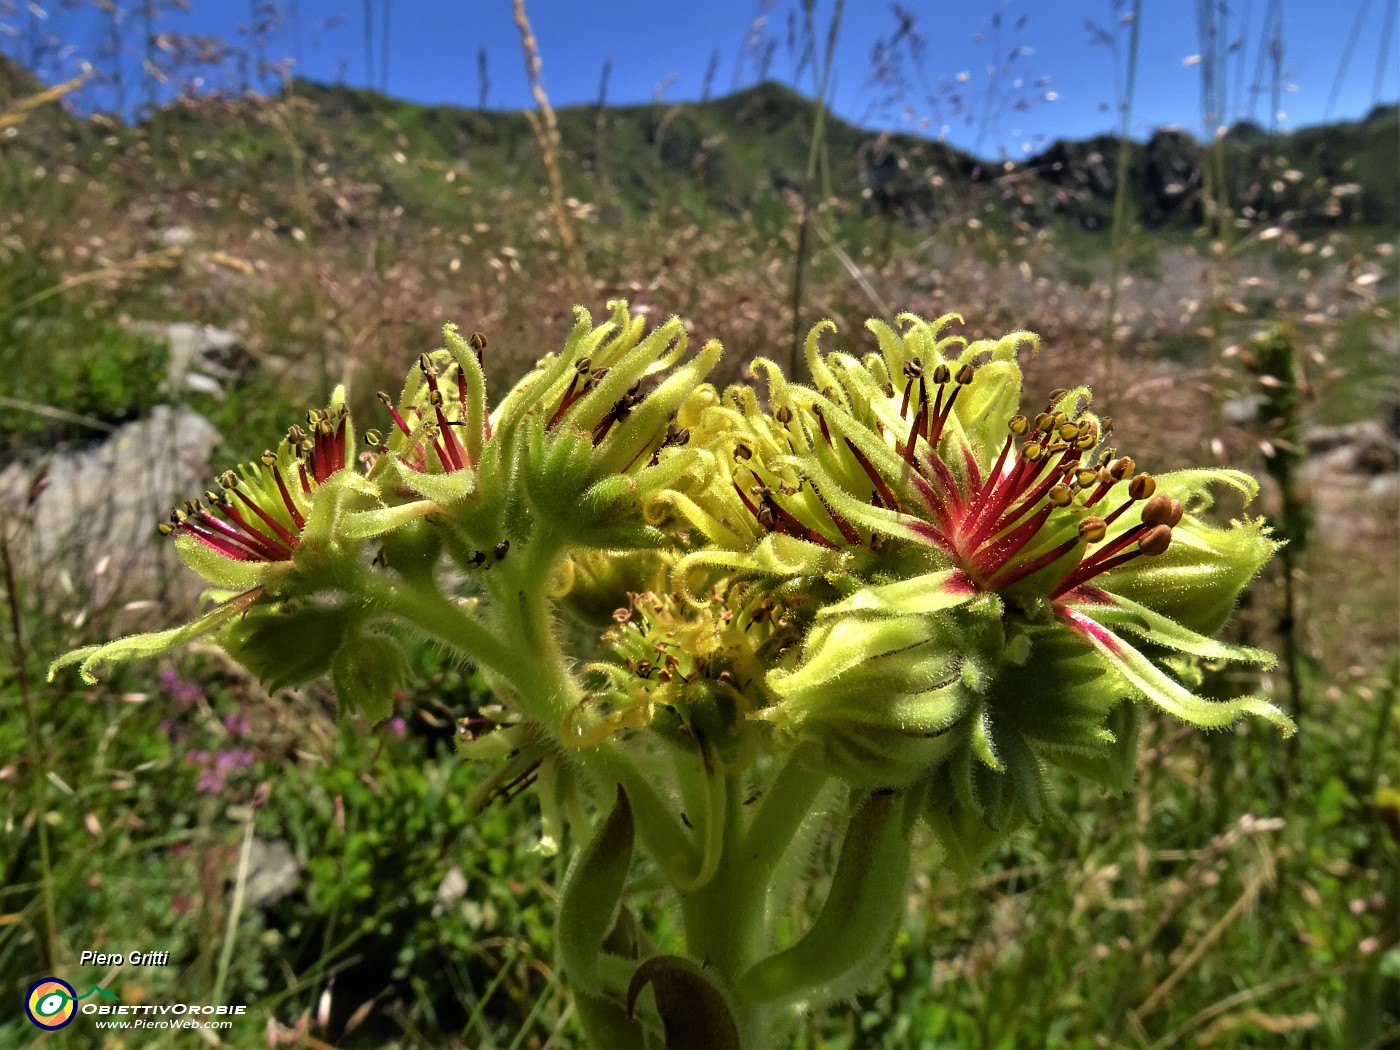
(969, 572)
(709, 614)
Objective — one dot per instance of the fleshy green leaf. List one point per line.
(857, 920)
(592, 894)
(839, 647)
(693, 1011)
(366, 524)
(444, 489)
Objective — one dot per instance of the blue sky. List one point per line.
(1338, 58)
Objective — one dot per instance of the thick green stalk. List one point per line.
(788, 802)
(724, 927)
(547, 691)
(846, 941)
(726, 918)
(436, 615)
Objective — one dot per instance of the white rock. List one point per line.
(273, 872)
(94, 523)
(176, 237)
(451, 889)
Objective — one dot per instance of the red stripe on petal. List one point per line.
(1089, 628)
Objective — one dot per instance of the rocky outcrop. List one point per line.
(87, 536)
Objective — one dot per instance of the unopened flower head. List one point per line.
(690, 673)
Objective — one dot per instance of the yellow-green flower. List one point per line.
(983, 569)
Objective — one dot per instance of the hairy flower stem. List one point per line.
(440, 618)
(729, 919)
(541, 679)
(724, 918)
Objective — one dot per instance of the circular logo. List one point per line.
(51, 1003)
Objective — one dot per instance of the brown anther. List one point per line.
(598, 375)
(742, 452)
(1157, 510)
(426, 364)
(501, 548)
(1178, 509)
(1018, 425)
(643, 668)
(1106, 425)
(385, 398)
(1106, 456)
(888, 389)
(228, 479)
(622, 614)
(1044, 421)
(783, 415)
(583, 364)
(1156, 540)
(1122, 467)
(914, 369)
(1092, 530)
(477, 341)
(663, 676)
(269, 459)
(1057, 395)
(1059, 495)
(941, 374)
(965, 375)
(1142, 486)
